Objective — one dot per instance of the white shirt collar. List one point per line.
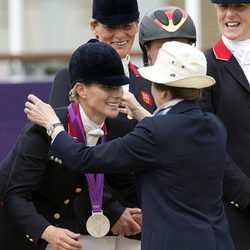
(125, 62)
(240, 50)
(88, 124)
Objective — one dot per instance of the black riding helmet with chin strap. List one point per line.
(165, 23)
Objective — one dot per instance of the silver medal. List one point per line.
(98, 224)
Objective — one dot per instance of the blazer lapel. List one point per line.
(221, 52)
(236, 71)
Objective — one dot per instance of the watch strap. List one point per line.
(51, 128)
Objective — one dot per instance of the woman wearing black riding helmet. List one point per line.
(114, 22)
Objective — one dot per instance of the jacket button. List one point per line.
(78, 190)
(66, 202)
(56, 159)
(52, 158)
(57, 216)
(60, 161)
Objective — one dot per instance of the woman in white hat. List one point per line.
(178, 154)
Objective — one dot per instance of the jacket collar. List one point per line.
(221, 52)
(184, 106)
(134, 69)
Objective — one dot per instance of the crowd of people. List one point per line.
(125, 158)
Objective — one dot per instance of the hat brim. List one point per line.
(153, 74)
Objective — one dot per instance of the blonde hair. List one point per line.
(73, 95)
(92, 21)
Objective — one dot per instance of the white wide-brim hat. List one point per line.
(179, 65)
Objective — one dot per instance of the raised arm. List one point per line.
(132, 107)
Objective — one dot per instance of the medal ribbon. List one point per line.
(95, 185)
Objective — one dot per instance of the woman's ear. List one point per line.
(166, 95)
(81, 90)
(163, 95)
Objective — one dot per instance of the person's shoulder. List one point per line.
(61, 111)
(154, 121)
(133, 71)
(209, 53)
(135, 75)
(62, 73)
(33, 142)
(212, 62)
(216, 119)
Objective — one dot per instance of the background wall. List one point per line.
(51, 29)
(36, 40)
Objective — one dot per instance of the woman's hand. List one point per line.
(132, 107)
(39, 112)
(61, 239)
(129, 223)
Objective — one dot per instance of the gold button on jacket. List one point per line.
(78, 190)
(57, 216)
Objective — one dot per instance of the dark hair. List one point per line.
(183, 93)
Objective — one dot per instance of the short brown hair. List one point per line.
(183, 93)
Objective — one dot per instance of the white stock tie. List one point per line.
(93, 136)
(241, 51)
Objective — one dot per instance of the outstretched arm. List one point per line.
(129, 153)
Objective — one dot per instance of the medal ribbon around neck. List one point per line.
(95, 185)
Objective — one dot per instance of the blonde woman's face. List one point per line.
(100, 101)
(234, 20)
(120, 37)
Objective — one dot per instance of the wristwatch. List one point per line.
(51, 128)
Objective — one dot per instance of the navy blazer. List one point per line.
(123, 188)
(179, 159)
(39, 191)
(229, 98)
